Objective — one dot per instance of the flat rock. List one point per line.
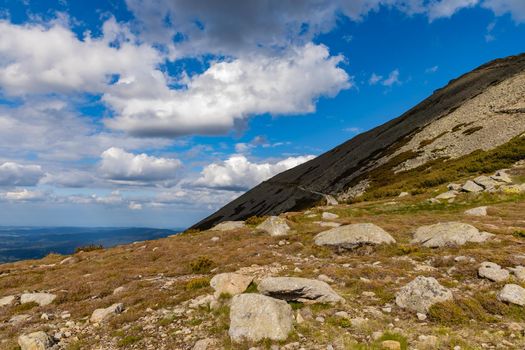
(229, 226)
(403, 194)
(354, 235)
(501, 176)
(512, 293)
(455, 187)
(230, 283)
(486, 182)
(471, 186)
(299, 289)
(327, 223)
(7, 300)
(42, 299)
(449, 234)
(254, 317)
(100, 315)
(205, 344)
(329, 216)
(479, 211)
(420, 294)
(35, 341)
(493, 272)
(16, 319)
(519, 272)
(447, 195)
(274, 226)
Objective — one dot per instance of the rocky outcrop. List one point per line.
(274, 226)
(254, 317)
(354, 235)
(420, 294)
(42, 299)
(512, 293)
(100, 315)
(299, 289)
(493, 272)
(471, 186)
(35, 341)
(449, 234)
(230, 283)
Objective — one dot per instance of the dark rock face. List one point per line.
(337, 169)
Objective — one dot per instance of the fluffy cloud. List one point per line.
(44, 59)
(14, 174)
(230, 91)
(393, 78)
(238, 174)
(23, 195)
(515, 7)
(447, 8)
(121, 166)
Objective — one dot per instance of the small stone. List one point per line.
(320, 319)
(390, 345)
(447, 195)
(501, 176)
(403, 194)
(493, 272)
(100, 315)
(325, 278)
(7, 300)
(329, 216)
(342, 314)
(205, 344)
(454, 187)
(519, 272)
(421, 316)
(70, 260)
(512, 293)
(479, 211)
(215, 239)
(118, 290)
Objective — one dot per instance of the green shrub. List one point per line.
(202, 264)
(89, 248)
(198, 283)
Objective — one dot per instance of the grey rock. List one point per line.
(512, 293)
(329, 216)
(7, 300)
(471, 186)
(454, 187)
(42, 299)
(205, 344)
(69, 260)
(479, 211)
(299, 289)
(447, 195)
(420, 294)
(403, 194)
(327, 224)
(486, 182)
(354, 235)
(35, 341)
(229, 226)
(274, 226)
(493, 272)
(100, 315)
(119, 290)
(449, 234)
(254, 317)
(230, 283)
(519, 272)
(501, 176)
(19, 318)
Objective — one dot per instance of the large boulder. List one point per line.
(229, 226)
(299, 289)
(512, 293)
(274, 226)
(486, 182)
(449, 234)
(420, 294)
(7, 300)
(41, 299)
(100, 315)
(493, 272)
(254, 317)
(230, 283)
(35, 341)
(354, 235)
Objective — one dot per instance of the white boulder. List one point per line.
(354, 235)
(471, 186)
(274, 226)
(230, 283)
(493, 272)
(35, 341)
(298, 289)
(254, 317)
(478, 211)
(42, 299)
(100, 315)
(420, 294)
(7, 300)
(512, 293)
(449, 234)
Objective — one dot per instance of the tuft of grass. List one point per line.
(198, 283)
(202, 264)
(519, 233)
(89, 248)
(128, 340)
(24, 307)
(252, 288)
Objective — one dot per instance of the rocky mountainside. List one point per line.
(480, 110)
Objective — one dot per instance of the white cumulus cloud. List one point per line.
(237, 173)
(23, 195)
(119, 165)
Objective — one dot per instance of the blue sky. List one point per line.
(129, 113)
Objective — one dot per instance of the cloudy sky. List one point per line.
(156, 113)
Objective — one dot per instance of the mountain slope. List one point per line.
(463, 115)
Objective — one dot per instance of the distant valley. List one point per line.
(19, 243)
